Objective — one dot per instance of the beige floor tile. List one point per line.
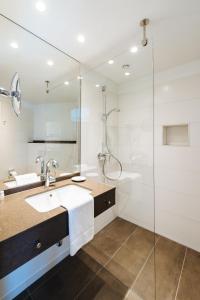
(189, 288)
(168, 262)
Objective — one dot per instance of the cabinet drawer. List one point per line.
(18, 250)
(103, 202)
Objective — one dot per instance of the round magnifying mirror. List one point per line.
(15, 93)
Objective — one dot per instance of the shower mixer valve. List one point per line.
(101, 156)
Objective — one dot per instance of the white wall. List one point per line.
(177, 169)
(54, 121)
(135, 191)
(15, 132)
(36, 122)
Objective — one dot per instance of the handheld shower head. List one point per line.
(111, 111)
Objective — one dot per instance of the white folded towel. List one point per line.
(26, 179)
(80, 208)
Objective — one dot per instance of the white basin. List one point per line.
(47, 201)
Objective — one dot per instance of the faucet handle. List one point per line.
(55, 164)
(39, 158)
(52, 162)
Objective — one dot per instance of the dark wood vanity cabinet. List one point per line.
(19, 249)
(24, 246)
(103, 202)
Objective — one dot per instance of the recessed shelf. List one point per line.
(176, 135)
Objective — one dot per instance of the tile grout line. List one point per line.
(181, 272)
(143, 266)
(104, 265)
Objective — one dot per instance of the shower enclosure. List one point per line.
(117, 123)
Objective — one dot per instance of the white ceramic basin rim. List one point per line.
(49, 200)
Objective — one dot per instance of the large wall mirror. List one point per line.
(47, 122)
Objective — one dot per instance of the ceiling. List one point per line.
(112, 26)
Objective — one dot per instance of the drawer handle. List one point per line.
(108, 202)
(38, 245)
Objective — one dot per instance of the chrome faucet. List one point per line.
(40, 159)
(48, 178)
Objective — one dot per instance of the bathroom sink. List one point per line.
(49, 200)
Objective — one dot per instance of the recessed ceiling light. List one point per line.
(14, 45)
(127, 73)
(66, 82)
(97, 85)
(81, 38)
(40, 6)
(50, 63)
(134, 49)
(111, 62)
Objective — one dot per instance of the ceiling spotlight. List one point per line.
(111, 62)
(97, 85)
(14, 45)
(134, 49)
(81, 38)
(126, 67)
(50, 63)
(66, 82)
(40, 6)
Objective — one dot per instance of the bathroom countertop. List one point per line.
(16, 215)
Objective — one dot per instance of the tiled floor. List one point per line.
(119, 263)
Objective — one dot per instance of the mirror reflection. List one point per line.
(39, 111)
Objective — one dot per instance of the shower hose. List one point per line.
(107, 155)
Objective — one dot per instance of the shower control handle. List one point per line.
(101, 156)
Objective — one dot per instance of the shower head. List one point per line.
(111, 111)
(144, 23)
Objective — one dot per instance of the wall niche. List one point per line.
(176, 135)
